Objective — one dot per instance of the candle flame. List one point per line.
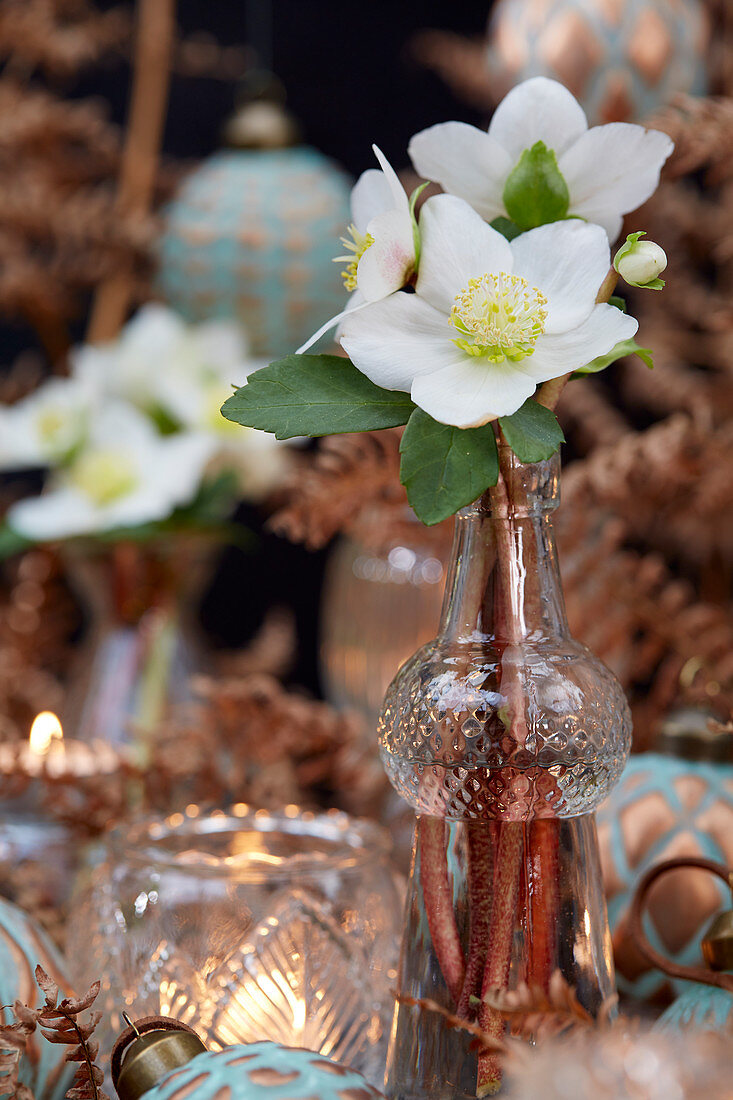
(45, 730)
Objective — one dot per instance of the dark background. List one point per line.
(351, 80)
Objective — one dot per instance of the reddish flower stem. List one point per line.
(438, 899)
(543, 900)
(501, 934)
(482, 841)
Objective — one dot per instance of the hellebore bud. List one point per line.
(640, 263)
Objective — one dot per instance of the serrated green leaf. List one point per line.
(315, 395)
(535, 192)
(445, 468)
(507, 228)
(620, 351)
(532, 432)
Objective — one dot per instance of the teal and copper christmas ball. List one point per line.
(252, 235)
(23, 945)
(664, 807)
(622, 59)
(262, 1071)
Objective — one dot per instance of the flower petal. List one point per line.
(351, 307)
(394, 340)
(399, 195)
(456, 245)
(389, 262)
(466, 162)
(613, 169)
(472, 391)
(559, 354)
(537, 110)
(371, 195)
(57, 514)
(567, 261)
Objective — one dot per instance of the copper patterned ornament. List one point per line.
(258, 1071)
(622, 59)
(664, 807)
(23, 945)
(253, 232)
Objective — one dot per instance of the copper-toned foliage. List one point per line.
(59, 1022)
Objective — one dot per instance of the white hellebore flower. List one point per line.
(124, 476)
(609, 170)
(381, 254)
(489, 320)
(162, 364)
(47, 426)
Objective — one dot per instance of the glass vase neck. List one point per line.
(504, 581)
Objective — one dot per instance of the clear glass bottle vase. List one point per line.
(504, 734)
(142, 646)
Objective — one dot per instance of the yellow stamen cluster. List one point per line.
(104, 476)
(499, 317)
(357, 246)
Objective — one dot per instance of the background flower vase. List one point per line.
(141, 647)
(504, 734)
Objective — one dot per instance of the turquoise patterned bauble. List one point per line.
(622, 59)
(664, 807)
(252, 235)
(262, 1071)
(23, 945)
(701, 1006)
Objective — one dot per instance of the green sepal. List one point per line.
(532, 432)
(618, 302)
(445, 468)
(535, 192)
(315, 395)
(620, 351)
(413, 217)
(506, 227)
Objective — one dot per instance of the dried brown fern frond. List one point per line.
(702, 131)
(538, 1014)
(273, 747)
(59, 36)
(13, 1045)
(484, 1042)
(60, 1022)
(331, 488)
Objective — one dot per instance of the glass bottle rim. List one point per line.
(353, 843)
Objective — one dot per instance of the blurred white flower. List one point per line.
(180, 375)
(125, 475)
(48, 426)
(159, 362)
(608, 170)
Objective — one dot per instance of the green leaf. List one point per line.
(617, 301)
(620, 351)
(445, 468)
(11, 542)
(315, 395)
(532, 432)
(536, 192)
(507, 228)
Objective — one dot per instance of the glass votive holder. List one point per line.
(246, 925)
